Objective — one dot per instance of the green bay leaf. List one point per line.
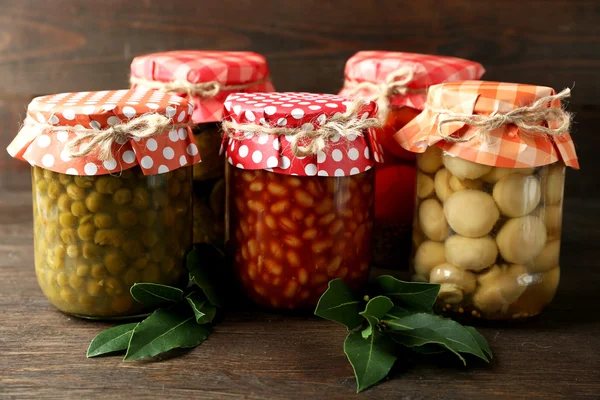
(485, 346)
(371, 358)
(414, 295)
(339, 304)
(458, 338)
(111, 340)
(164, 330)
(203, 310)
(424, 338)
(154, 295)
(375, 310)
(204, 263)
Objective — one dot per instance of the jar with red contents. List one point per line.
(205, 78)
(398, 82)
(300, 193)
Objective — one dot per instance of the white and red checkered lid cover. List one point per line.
(200, 66)
(40, 142)
(428, 69)
(342, 156)
(507, 146)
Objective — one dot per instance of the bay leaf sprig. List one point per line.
(394, 315)
(182, 318)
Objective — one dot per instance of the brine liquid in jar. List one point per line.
(290, 235)
(490, 236)
(95, 236)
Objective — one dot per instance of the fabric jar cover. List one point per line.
(226, 68)
(428, 70)
(40, 143)
(305, 111)
(507, 146)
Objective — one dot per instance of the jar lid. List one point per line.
(506, 125)
(60, 128)
(302, 134)
(206, 77)
(410, 73)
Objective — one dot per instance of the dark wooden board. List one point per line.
(62, 45)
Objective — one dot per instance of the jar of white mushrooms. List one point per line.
(488, 234)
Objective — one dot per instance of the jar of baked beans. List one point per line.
(205, 78)
(300, 193)
(491, 159)
(112, 202)
(398, 82)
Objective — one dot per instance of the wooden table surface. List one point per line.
(258, 355)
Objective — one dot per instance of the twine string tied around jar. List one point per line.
(526, 118)
(305, 142)
(203, 89)
(89, 140)
(395, 84)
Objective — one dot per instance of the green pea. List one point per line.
(133, 248)
(141, 198)
(113, 286)
(122, 196)
(79, 209)
(128, 174)
(174, 188)
(51, 232)
(127, 218)
(98, 271)
(73, 251)
(84, 181)
(157, 253)
(109, 237)
(149, 238)
(90, 250)
(160, 199)
(54, 189)
(115, 262)
(168, 264)
(151, 274)
(62, 279)
(148, 218)
(49, 175)
(180, 208)
(94, 201)
(82, 269)
(131, 276)
(68, 236)
(168, 216)
(60, 251)
(42, 186)
(64, 202)
(93, 287)
(65, 179)
(86, 231)
(75, 192)
(103, 220)
(108, 184)
(67, 220)
(140, 263)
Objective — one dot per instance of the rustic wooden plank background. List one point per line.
(69, 45)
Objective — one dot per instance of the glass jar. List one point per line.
(114, 216)
(95, 236)
(290, 235)
(298, 220)
(489, 194)
(209, 186)
(398, 82)
(205, 78)
(492, 240)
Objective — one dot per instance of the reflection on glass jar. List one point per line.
(95, 236)
(291, 235)
(209, 187)
(490, 236)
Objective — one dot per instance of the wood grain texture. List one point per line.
(64, 45)
(71, 45)
(257, 355)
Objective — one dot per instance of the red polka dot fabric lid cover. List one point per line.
(375, 66)
(196, 66)
(41, 146)
(342, 156)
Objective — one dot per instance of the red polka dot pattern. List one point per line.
(162, 153)
(342, 156)
(198, 66)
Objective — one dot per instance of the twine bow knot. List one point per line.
(526, 118)
(305, 142)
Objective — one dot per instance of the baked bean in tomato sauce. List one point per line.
(290, 235)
